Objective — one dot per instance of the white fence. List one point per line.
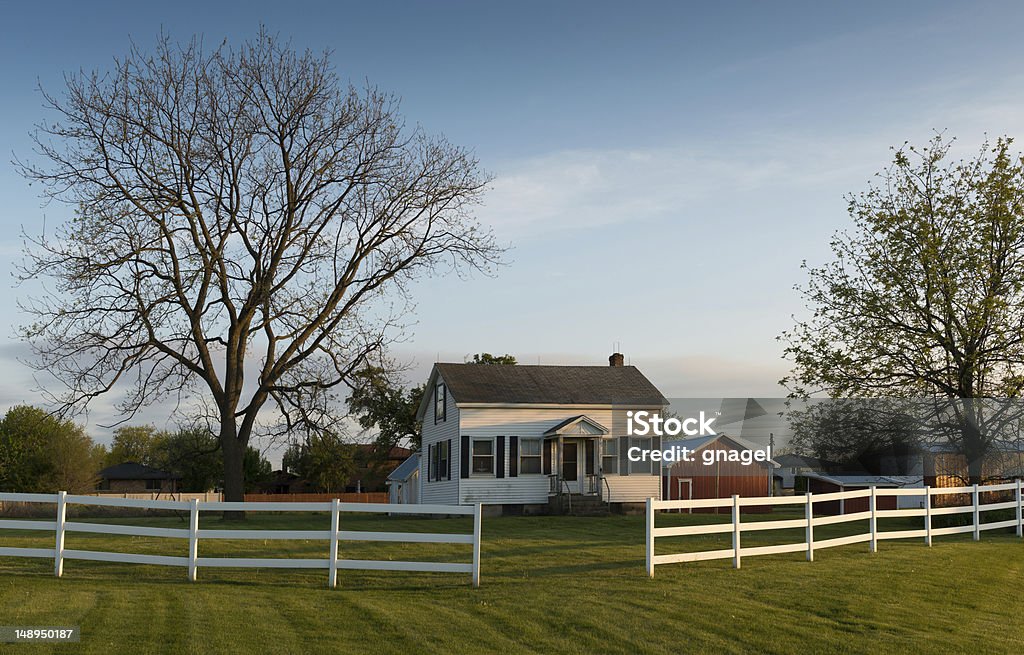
(61, 526)
(737, 527)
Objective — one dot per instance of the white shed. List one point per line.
(404, 482)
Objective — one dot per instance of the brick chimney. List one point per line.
(616, 359)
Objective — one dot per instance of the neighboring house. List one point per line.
(535, 438)
(722, 479)
(284, 482)
(792, 466)
(404, 482)
(131, 477)
(819, 483)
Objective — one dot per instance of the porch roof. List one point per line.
(581, 425)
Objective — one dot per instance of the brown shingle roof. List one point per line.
(562, 385)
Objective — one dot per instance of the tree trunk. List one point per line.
(974, 469)
(234, 471)
(973, 441)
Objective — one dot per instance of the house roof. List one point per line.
(805, 461)
(555, 385)
(868, 480)
(134, 471)
(404, 470)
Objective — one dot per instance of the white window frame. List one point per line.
(473, 441)
(442, 471)
(539, 456)
(613, 456)
(440, 401)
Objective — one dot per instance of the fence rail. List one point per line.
(61, 526)
(737, 527)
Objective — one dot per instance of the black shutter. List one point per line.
(464, 458)
(546, 450)
(448, 460)
(430, 459)
(623, 455)
(588, 451)
(655, 466)
(513, 457)
(499, 459)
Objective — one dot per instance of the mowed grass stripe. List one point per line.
(550, 584)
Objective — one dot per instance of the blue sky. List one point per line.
(661, 169)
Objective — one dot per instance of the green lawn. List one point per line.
(549, 584)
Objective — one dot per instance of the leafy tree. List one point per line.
(488, 358)
(136, 443)
(193, 454)
(324, 460)
(42, 453)
(376, 402)
(257, 468)
(237, 209)
(858, 432)
(925, 296)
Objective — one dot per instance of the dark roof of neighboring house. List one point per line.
(558, 385)
(134, 471)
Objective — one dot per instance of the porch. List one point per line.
(572, 455)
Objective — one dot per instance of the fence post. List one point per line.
(809, 511)
(477, 519)
(928, 515)
(193, 539)
(1020, 512)
(977, 514)
(332, 579)
(650, 537)
(736, 531)
(874, 521)
(58, 552)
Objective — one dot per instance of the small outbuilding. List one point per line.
(823, 484)
(721, 474)
(404, 482)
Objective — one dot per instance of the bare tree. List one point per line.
(236, 211)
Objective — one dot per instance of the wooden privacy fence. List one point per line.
(61, 526)
(809, 522)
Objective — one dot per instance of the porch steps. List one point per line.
(578, 505)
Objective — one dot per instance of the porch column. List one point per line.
(558, 463)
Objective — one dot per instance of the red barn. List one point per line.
(717, 470)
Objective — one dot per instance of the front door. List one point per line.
(571, 465)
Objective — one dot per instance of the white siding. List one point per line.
(527, 422)
(445, 492)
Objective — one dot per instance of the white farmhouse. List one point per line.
(535, 439)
